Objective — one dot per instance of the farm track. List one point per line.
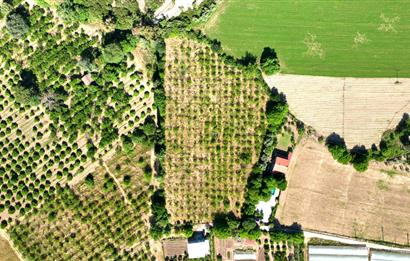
(359, 109)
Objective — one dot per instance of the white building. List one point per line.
(266, 206)
(198, 248)
(244, 255)
(336, 253)
(380, 255)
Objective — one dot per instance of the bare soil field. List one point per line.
(358, 109)
(326, 196)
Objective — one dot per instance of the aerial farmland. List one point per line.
(204, 130)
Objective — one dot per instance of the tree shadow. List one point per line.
(403, 122)
(268, 53)
(115, 36)
(29, 81)
(293, 228)
(359, 149)
(335, 139)
(247, 59)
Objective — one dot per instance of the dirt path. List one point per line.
(359, 109)
(141, 5)
(346, 240)
(117, 182)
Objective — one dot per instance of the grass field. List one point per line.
(333, 38)
(339, 200)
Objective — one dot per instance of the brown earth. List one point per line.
(6, 251)
(326, 196)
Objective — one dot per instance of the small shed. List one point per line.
(87, 79)
(244, 255)
(333, 253)
(382, 255)
(198, 246)
(282, 163)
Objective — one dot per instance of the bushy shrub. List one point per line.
(269, 61)
(17, 25)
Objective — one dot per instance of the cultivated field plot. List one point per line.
(337, 199)
(358, 109)
(58, 140)
(104, 217)
(333, 38)
(214, 128)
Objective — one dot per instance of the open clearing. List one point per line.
(323, 195)
(358, 109)
(6, 251)
(336, 38)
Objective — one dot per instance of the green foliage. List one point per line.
(124, 15)
(127, 144)
(17, 25)
(89, 181)
(394, 143)
(360, 159)
(159, 220)
(112, 53)
(340, 152)
(5, 8)
(269, 61)
(224, 226)
(185, 230)
(295, 238)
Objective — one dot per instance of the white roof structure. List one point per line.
(266, 206)
(380, 255)
(244, 255)
(174, 8)
(336, 253)
(198, 249)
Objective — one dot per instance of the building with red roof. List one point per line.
(281, 163)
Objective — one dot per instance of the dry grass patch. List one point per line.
(323, 195)
(6, 251)
(358, 109)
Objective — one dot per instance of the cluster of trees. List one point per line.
(228, 225)
(124, 15)
(160, 218)
(104, 214)
(394, 143)
(358, 157)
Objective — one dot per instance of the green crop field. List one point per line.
(364, 38)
